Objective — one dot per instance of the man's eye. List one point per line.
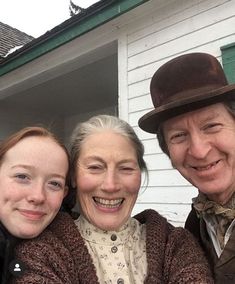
(212, 127)
(178, 137)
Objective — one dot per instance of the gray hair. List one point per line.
(230, 106)
(100, 123)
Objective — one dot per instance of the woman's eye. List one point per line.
(127, 169)
(95, 168)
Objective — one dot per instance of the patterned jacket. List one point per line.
(59, 255)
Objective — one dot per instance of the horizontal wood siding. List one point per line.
(157, 35)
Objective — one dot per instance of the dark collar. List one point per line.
(7, 244)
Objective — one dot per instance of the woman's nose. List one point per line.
(110, 182)
(37, 194)
(199, 146)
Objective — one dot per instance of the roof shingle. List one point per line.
(10, 38)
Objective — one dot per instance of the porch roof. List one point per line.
(90, 18)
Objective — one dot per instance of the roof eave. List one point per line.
(94, 16)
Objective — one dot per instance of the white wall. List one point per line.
(157, 35)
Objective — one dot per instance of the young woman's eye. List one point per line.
(56, 184)
(21, 177)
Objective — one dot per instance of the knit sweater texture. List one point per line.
(59, 255)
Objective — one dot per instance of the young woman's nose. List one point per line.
(37, 193)
(110, 182)
(199, 146)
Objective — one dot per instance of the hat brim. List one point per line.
(150, 121)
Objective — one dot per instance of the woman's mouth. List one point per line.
(108, 203)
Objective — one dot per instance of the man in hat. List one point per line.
(194, 119)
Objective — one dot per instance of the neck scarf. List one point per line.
(223, 214)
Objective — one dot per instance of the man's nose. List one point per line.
(199, 146)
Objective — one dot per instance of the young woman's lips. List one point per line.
(32, 214)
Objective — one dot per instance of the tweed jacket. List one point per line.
(223, 267)
(59, 255)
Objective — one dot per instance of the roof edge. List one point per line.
(91, 18)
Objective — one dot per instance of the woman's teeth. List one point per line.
(108, 203)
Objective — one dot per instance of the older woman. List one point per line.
(33, 173)
(106, 245)
(194, 118)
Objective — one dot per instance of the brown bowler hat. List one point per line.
(183, 84)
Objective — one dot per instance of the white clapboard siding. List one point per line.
(151, 146)
(139, 89)
(194, 19)
(172, 195)
(172, 13)
(186, 42)
(162, 31)
(166, 178)
(176, 214)
(201, 38)
(158, 161)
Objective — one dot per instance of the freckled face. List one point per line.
(32, 185)
(201, 145)
(108, 179)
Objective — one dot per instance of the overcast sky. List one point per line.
(35, 17)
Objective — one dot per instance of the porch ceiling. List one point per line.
(85, 89)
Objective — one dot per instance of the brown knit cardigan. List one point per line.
(59, 255)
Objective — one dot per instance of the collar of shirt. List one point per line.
(93, 234)
(211, 229)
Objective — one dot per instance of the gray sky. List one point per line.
(35, 17)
